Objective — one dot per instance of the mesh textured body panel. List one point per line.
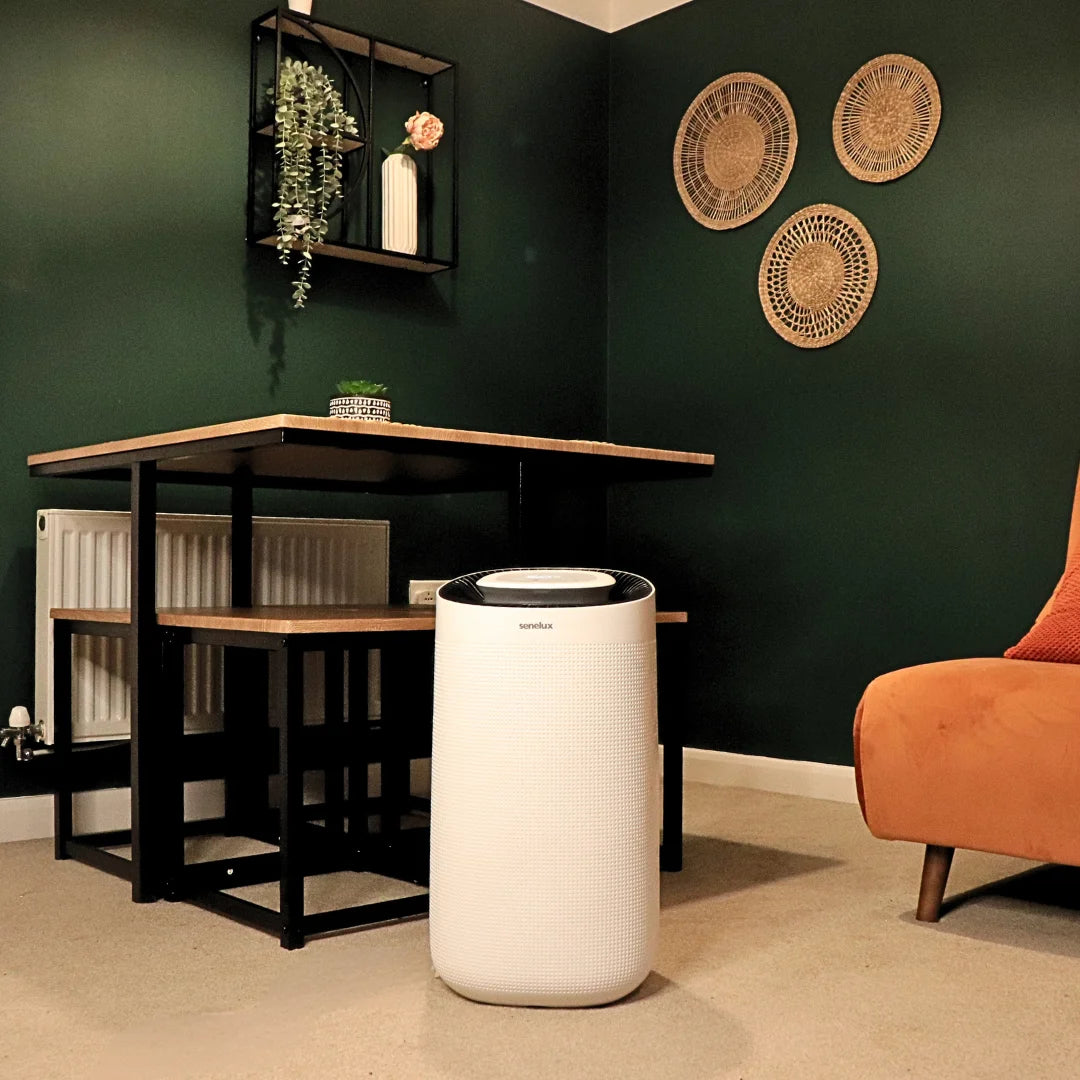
(545, 820)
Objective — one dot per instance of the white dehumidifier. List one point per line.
(545, 876)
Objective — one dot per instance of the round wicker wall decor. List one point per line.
(817, 276)
(734, 150)
(886, 118)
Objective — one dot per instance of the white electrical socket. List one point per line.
(423, 592)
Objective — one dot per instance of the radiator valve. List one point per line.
(22, 733)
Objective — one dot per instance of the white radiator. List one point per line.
(83, 560)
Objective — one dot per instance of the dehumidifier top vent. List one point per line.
(546, 586)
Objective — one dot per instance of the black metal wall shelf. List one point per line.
(381, 83)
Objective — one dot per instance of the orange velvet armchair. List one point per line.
(981, 754)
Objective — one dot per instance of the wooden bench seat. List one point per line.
(321, 619)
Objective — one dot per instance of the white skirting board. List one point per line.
(811, 779)
(30, 817)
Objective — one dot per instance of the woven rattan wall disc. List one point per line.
(817, 276)
(734, 150)
(886, 118)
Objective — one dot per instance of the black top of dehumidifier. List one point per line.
(546, 586)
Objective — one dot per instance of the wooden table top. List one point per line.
(285, 447)
(323, 619)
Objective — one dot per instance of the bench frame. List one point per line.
(259, 654)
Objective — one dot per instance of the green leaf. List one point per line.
(362, 388)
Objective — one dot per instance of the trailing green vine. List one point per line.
(309, 116)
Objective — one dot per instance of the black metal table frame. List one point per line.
(529, 475)
(304, 849)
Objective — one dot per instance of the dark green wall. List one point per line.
(901, 496)
(129, 302)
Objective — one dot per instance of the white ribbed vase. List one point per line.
(399, 204)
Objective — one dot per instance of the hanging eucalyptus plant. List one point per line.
(310, 122)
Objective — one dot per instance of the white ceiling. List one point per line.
(608, 15)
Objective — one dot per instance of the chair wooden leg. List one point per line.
(935, 873)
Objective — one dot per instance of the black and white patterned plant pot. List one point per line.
(355, 407)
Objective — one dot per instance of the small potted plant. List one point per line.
(359, 399)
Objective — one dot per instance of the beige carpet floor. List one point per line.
(788, 951)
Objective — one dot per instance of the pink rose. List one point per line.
(424, 130)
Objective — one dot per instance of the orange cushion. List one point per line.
(1056, 636)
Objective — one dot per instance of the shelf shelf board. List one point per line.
(369, 255)
(347, 144)
(347, 41)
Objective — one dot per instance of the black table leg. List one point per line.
(246, 707)
(143, 667)
(394, 779)
(671, 687)
(291, 767)
(241, 538)
(247, 803)
(522, 501)
(170, 853)
(358, 752)
(334, 773)
(62, 825)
